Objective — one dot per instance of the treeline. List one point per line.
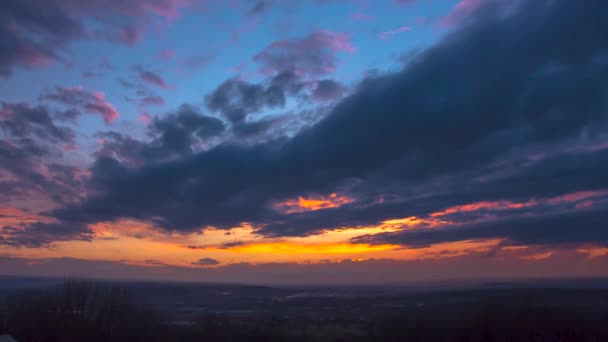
(81, 310)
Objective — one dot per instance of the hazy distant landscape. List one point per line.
(77, 310)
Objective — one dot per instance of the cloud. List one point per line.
(43, 234)
(29, 139)
(152, 100)
(328, 90)
(259, 8)
(80, 100)
(457, 125)
(151, 78)
(145, 118)
(129, 35)
(21, 121)
(461, 10)
(313, 55)
(563, 228)
(206, 262)
(31, 37)
(236, 99)
(177, 134)
(389, 34)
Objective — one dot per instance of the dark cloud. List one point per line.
(20, 120)
(563, 228)
(236, 99)
(206, 262)
(186, 124)
(255, 128)
(460, 123)
(381, 199)
(29, 138)
(178, 134)
(30, 36)
(44, 234)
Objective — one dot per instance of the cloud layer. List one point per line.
(508, 107)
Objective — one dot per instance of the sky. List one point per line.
(304, 142)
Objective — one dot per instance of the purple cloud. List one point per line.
(129, 35)
(33, 37)
(152, 100)
(196, 62)
(151, 77)
(328, 90)
(313, 55)
(259, 8)
(206, 262)
(78, 99)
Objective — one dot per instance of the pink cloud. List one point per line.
(32, 57)
(100, 106)
(145, 118)
(462, 9)
(388, 34)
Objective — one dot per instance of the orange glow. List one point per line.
(539, 256)
(302, 204)
(141, 243)
(11, 216)
(413, 222)
(594, 252)
(292, 248)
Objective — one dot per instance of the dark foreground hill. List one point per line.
(80, 310)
